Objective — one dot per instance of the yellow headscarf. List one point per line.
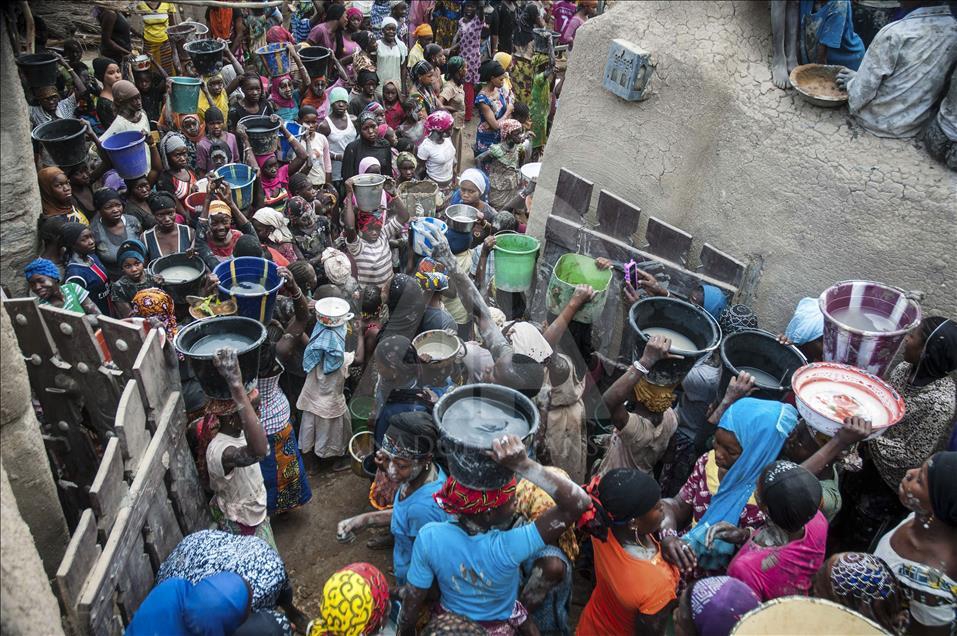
(505, 60)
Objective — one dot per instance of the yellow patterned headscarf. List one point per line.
(354, 602)
(532, 501)
(656, 399)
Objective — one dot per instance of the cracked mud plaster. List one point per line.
(719, 152)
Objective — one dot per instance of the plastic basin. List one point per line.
(690, 321)
(572, 270)
(127, 152)
(275, 57)
(252, 283)
(286, 153)
(515, 256)
(207, 55)
(180, 287)
(760, 351)
(360, 408)
(417, 234)
(316, 60)
(39, 69)
(64, 140)
(262, 133)
(197, 342)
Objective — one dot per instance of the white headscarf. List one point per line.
(527, 340)
(275, 220)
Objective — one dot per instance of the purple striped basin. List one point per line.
(848, 341)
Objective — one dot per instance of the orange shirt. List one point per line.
(625, 585)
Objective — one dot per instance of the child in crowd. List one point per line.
(131, 256)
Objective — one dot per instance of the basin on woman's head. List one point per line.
(760, 354)
(437, 345)
(693, 331)
(199, 341)
(865, 323)
(470, 418)
(827, 392)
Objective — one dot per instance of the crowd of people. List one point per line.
(676, 511)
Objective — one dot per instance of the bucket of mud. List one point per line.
(572, 270)
(316, 60)
(436, 346)
(240, 178)
(39, 69)
(127, 152)
(759, 353)
(418, 193)
(286, 153)
(694, 334)
(262, 133)
(184, 94)
(207, 55)
(360, 408)
(368, 191)
(469, 418)
(252, 283)
(515, 256)
(197, 342)
(65, 141)
(865, 323)
(275, 57)
(183, 275)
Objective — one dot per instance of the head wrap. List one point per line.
(355, 601)
(507, 126)
(456, 499)
(214, 116)
(180, 120)
(791, 494)
(737, 318)
(113, 180)
(527, 340)
(374, 107)
(131, 248)
(387, 22)
(42, 267)
(217, 604)
(440, 120)
(406, 307)
(367, 163)
(337, 266)
(152, 302)
(169, 144)
(714, 300)
(860, 577)
(124, 90)
(807, 323)
(504, 59)
(619, 496)
(161, 200)
(490, 69)
(280, 224)
(367, 222)
(51, 205)
(939, 357)
(366, 76)
(221, 208)
(477, 178)
(941, 473)
(760, 427)
(104, 195)
(423, 31)
(261, 162)
(338, 94)
(70, 234)
(410, 435)
(453, 66)
(406, 157)
(354, 12)
(100, 65)
(363, 38)
(433, 281)
(278, 34)
(718, 602)
(276, 96)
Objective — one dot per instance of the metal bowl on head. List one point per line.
(436, 346)
(817, 84)
(461, 217)
(828, 392)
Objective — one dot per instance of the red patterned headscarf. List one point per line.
(456, 499)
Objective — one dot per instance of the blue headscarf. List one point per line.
(327, 346)
(43, 267)
(761, 427)
(807, 324)
(131, 248)
(473, 176)
(714, 300)
(213, 607)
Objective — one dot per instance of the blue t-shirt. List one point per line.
(478, 575)
(832, 26)
(408, 517)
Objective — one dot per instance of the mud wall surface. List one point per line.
(798, 191)
(19, 193)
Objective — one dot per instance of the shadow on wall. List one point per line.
(719, 152)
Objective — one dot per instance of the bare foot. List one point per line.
(779, 74)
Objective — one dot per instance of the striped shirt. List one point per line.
(374, 260)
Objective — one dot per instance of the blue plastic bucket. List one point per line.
(286, 153)
(127, 152)
(254, 271)
(184, 94)
(240, 178)
(275, 57)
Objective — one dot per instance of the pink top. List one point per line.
(571, 27)
(785, 570)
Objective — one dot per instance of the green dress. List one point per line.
(73, 297)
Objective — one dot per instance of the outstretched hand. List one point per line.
(509, 451)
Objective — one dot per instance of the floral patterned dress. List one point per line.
(287, 487)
